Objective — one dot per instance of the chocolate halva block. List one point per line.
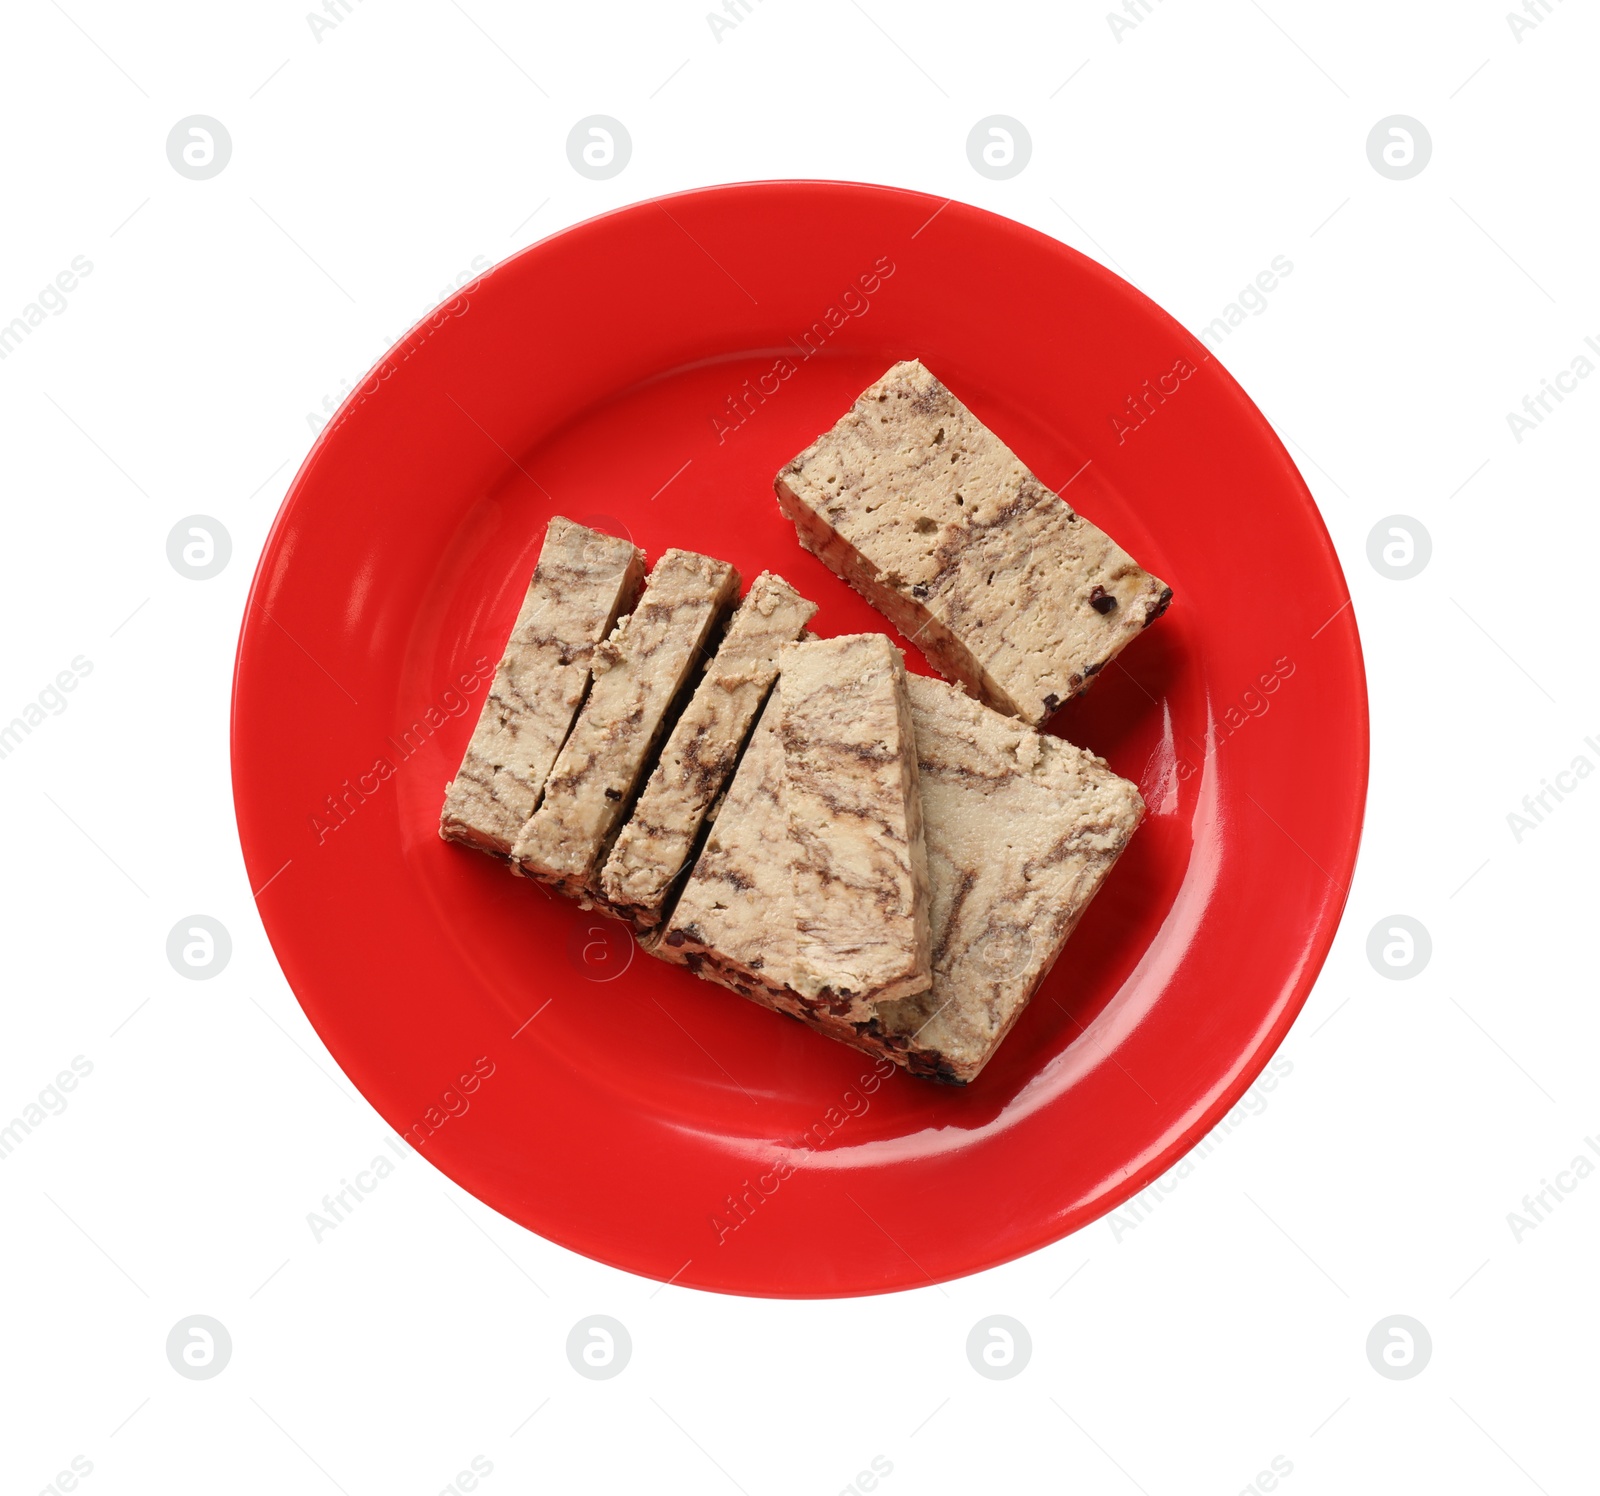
(915, 503)
(638, 673)
(1021, 831)
(858, 866)
(656, 843)
(583, 582)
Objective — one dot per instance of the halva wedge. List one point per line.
(915, 503)
(639, 673)
(583, 582)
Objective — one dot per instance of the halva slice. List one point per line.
(859, 869)
(583, 581)
(734, 920)
(639, 672)
(655, 845)
(915, 503)
(1021, 831)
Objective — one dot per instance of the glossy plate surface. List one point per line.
(648, 372)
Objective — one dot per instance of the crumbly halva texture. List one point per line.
(639, 673)
(915, 503)
(657, 841)
(859, 869)
(1021, 832)
(583, 582)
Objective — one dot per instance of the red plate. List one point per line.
(649, 371)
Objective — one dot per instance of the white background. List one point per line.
(370, 170)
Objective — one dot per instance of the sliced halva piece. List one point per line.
(639, 672)
(859, 869)
(1021, 831)
(699, 757)
(734, 920)
(915, 503)
(583, 581)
